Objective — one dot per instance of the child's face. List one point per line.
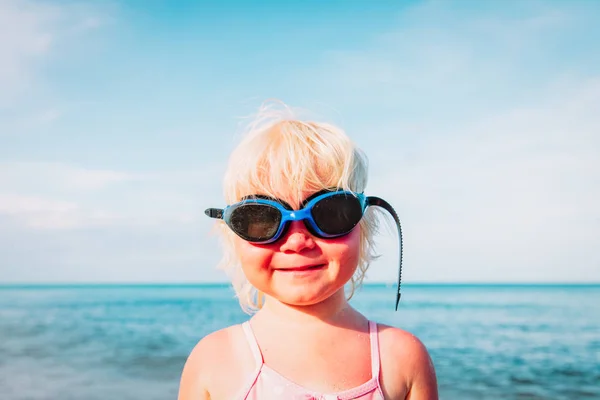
(299, 268)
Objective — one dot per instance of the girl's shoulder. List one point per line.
(223, 353)
(405, 361)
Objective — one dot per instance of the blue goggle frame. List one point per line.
(288, 214)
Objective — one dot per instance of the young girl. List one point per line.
(297, 230)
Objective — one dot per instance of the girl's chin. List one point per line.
(309, 295)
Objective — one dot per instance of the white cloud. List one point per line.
(173, 252)
(35, 175)
(30, 31)
(24, 38)
(46, 214)
(513, 196)
(60, 222)
(440, 61)
(48, 116)
(62, 196)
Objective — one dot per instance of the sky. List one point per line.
(481, 121)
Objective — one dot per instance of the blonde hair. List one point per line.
(278, 155)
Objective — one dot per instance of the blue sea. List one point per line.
(130, 342)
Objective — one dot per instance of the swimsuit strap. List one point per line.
(252, 342)
(374, 339)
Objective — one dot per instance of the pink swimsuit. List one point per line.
(267, 384)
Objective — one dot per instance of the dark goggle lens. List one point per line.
(255, 222)
(337, 214)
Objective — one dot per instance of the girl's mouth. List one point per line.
(303, 268)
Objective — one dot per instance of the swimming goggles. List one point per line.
(326, 214)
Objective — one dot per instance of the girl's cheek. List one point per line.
(253, 256)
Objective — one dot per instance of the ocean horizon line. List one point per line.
(92, 285)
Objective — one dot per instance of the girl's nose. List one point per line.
(297, 238)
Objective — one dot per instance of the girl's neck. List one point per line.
(333, 311)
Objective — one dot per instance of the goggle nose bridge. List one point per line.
(296, 215)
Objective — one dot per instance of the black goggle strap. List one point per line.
(214, 212)
(376, 201)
